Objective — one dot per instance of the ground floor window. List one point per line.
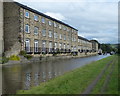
(27, 45)
(36, 46)
(50, 46)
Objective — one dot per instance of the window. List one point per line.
(74, 48)
(44, 46)
(60, 36)
(60, 45)
(55, 25)
(36, 30)
(27, 28)
(50, 46)
(27, 14)
(68, 29)
(74, 39)
(60, 26)
(55, 45)
(55, 35)
(50, 33)
(64, 28)
(64, 46)
(64, 37)
(35, 18)
(43, 20)
(36, 46)
(27, 45)
(50, 23)
(43, 32)
(68, 47)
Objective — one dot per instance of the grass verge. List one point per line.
(73, 82)
(112, 86)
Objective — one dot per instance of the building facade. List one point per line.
(36, 33)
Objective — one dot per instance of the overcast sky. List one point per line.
(95, 19)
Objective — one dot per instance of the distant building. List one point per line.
(94, 45)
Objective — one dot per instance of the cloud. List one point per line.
(56, 15)
(93, 18)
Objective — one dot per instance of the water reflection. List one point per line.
(25, 76)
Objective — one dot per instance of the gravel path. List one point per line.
(94, 82)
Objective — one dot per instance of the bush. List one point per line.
(14, 58)
(28, 56)
(23, 53)
(4, 60)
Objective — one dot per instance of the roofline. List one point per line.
(37, 12)
(95, 41)
(79, 37)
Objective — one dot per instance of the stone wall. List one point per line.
(11, 28)
(1, 28)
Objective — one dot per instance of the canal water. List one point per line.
(24, 76)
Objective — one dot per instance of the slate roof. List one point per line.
(83, 38)
(39, 13)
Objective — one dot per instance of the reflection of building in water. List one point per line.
(14, 79)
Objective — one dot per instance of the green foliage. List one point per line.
(23, 53)
(14, 58)
(28, 57)
(4, 60)
(74, 82)
(109, 47)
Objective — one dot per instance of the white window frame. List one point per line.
(55, 45)
(64, 37)
(55, 35)
(60, 45)
(50, 23)
(36, 45)
(28, 28)
(27, 44)
(35, 17)
(50, 34)
(55, 25)
(44, 43)
(68, 46)
(44, 32)
(43, 20)
(60, 36)
(60, 26)
(50, 46)
(36, 28)
(27, 14)
(64, 46)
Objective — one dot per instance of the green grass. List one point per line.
(113, 84)
(112, 87)
(74, 82)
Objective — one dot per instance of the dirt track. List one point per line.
(90, 87)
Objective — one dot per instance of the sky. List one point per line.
(94, 19)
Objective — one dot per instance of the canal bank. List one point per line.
(76, 81)
(48, 57)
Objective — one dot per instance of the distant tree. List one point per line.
(108, 48)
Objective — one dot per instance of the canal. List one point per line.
(24, 76)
